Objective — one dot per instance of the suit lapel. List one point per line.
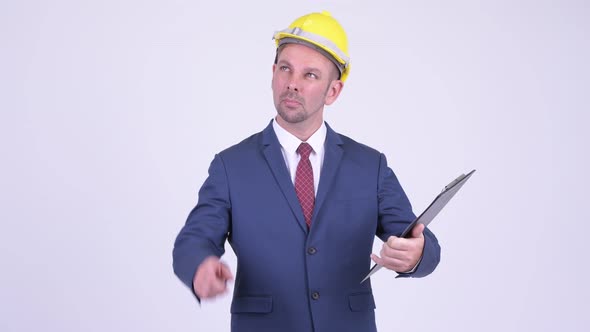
(332, 157)
(274, 157)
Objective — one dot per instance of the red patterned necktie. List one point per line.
(304, 182)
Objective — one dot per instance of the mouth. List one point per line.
(291, 102)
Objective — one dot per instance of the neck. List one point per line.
(302, 130)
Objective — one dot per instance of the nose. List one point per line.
(293, 85)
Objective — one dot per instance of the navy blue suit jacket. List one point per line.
(290, 278)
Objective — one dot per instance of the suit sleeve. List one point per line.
(395, 213)
(207, 226)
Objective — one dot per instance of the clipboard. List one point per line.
(431, 211)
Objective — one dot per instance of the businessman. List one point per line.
(300, 206)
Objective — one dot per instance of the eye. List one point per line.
(284, 68)
(312, 75)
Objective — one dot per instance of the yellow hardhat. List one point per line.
(323, 33)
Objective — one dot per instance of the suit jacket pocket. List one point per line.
(252, 304)
(361, 301)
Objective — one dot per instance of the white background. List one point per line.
(111, 112)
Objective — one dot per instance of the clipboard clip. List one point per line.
(454, 182)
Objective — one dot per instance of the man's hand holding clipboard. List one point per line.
(414, 230)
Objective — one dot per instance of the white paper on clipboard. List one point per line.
(431, 211)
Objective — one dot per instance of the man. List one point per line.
(301, 205)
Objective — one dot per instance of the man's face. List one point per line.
(303, 81)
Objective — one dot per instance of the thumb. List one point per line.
(224, 272)
(417, 230)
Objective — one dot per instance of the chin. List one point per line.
(292, 116)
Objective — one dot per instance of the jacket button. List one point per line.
(311, 250)
(315, 295)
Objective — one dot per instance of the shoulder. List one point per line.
(348, 144)
(352, 145)
(357, 153)
(243, 148)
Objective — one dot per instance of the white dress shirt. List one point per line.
(290, 143)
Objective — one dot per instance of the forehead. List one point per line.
(302, 55)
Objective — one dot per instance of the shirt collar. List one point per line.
(290, 142)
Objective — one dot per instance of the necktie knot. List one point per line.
(304, 150)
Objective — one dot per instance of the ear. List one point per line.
(274, 66)
(334, 90)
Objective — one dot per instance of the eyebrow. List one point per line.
(307, 69)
